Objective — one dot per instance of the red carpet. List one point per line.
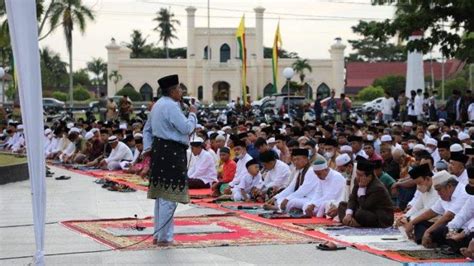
(246, 232)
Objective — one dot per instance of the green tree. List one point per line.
(130, 92)
(458, 83)
(300, 66)
(81, 93)
(373, 49)
(369, 93)
(137, 44)
(69, 14)
(282, 53)
(115, 77)
(97, 67)
(391, 83)
(166, 27)
(81, 77)
(60, 96)
(53, 69)
(450, 25)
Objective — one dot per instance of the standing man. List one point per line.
(166, 134)
(388, 105)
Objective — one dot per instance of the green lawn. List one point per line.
(7, 160)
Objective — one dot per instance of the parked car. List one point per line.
(296, 102)
(261, 101)
(94, 105)
(53, 105)
(373, 106)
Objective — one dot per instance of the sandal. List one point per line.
(63, 177)
(329, 246)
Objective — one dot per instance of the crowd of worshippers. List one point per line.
(359, 174)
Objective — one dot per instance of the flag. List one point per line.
(240, 35)
(276, 47)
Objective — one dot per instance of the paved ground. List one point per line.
(80, 198)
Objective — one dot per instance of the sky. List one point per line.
(307, 27)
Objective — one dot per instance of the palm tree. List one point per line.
(137, 44)
(115, 77)
(70, 13)
(300, 65)
(166, 27)
(97, 67)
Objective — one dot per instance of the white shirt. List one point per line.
(360, 153)
(248, 182)
(241, 170)
(410, 104)
(310, 181)
(423, 203)
(388, 105)
(435, 155)
(204, 168)
(458, 199)
(136, 154)
(121, 153)
(465, 217)
(278, 176)
(215, 156)
(330, 189)
(418, 105)
(463, 178)
(470, 112)
(52, 146)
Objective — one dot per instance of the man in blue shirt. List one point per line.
(166, 135)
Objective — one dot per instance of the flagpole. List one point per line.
(209, 48)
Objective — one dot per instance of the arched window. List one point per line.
(225, 53)
(128, 86)
(221, 91)
(308, 91)
(323, 90)
(205, 53)
(200, 93)
(268, 90)
(147, 92)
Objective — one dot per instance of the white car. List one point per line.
(260, 102)
(373, 106)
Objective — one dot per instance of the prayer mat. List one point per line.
(314, 226)
(428, 254)
(351, 231)
(244, 232)
(247, 209)
(178, 230)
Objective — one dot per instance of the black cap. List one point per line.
(251, 162)
(168, 82)
(267, 156)
(242, 135)
(300, 152)
(260, 142)
(459, 157)
(365, 165)
(354, 138)
(331, 142)
(470, 172)
(224, 150)
(240, 143)
(420, 170)
(444, 144)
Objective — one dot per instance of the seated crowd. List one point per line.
(355, 173)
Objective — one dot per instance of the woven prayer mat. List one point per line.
(324, 223)
(244, 232)
(247, 209)
(178, 230)
(428, 254)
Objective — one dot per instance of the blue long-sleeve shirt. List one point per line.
(167, 121)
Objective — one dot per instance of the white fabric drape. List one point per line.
(23, 27)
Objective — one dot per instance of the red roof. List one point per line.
(363, 74)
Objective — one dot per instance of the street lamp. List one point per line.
(288, 73)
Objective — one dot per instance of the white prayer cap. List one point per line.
(445, 136)
(226, 128)
(463, 136)
(220, 132)
(370, 137)
(123, 126)
(271, 140)
(419, 147)
(138, 135)
(407, 124)
(220, 137)
(441, 177)
(196, 140)
(20, 127)
(94, 130)
(346, 148)
(70, 125)
(89, 135)
(74, 130)
(303, 138)
(343, 159)
(320, 164)
(432, 127)
(262, 125)
(47, 131)
(209, 133)
(396, 124)
(386, 138)
(282, 131)
(431, 141)
(113, 139)
(442, 120)
(359, 121)
(456, 148)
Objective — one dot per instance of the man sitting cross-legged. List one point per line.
(300, 187)
(276, 176)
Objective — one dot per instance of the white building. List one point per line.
(218, 79)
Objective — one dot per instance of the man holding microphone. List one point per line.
(166, 136)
